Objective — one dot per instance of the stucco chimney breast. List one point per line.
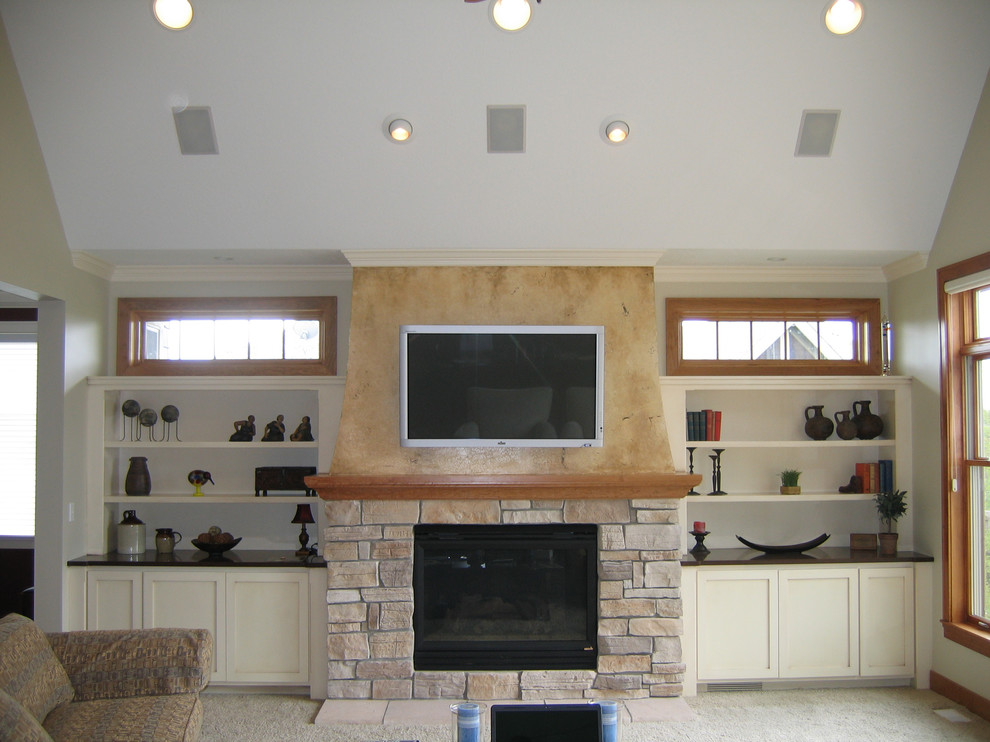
(619, 298)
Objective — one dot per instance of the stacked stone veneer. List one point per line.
(369, 551)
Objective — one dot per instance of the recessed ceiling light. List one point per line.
(398, 130)
(173, 14)
(843, 16)
(617, 131)
(511, 15)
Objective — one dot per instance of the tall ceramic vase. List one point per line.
(138, 479)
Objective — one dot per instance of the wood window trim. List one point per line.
(866, 313)
(132, 313)
(955, 314)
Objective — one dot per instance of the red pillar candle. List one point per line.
(699, 526)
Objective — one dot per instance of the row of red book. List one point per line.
(876, 476)
(704, 425)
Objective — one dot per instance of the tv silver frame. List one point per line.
(597, 330)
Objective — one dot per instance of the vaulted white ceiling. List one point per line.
(712, 90)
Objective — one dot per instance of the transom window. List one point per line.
(773, 336)
(290, 335)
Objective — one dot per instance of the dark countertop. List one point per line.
(821, 555)
(188, 558)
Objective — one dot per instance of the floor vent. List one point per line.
(731, 687)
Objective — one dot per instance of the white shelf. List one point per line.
(704, 499)
(763, 431)
(184, 499)
(234, 445)
(208, 405)
(856, 443)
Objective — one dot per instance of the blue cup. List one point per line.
(468, 722)
(610, 721)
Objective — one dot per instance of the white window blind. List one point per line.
(18, 430)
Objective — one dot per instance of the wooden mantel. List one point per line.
(504, 486)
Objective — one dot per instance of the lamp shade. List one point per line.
(303, 514)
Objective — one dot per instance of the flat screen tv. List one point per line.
(501, 385)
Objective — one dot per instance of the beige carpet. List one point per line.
(833, 715)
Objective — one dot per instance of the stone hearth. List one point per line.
(369, 552)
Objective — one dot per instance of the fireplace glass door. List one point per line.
(505, 597)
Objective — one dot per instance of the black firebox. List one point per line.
(505, 597)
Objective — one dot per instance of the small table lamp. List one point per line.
(303, 515)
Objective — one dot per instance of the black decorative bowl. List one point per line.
(215, 550)
(784, 548)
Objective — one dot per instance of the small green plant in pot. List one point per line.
(789, 482)
(891, 505)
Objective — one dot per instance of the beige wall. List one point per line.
(35, 265)
(964, 232)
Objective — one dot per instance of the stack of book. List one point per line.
(704, 425)
(876, 476)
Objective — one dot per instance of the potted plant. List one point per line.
(789, 482)
(891, 505)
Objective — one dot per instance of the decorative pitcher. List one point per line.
(166, 539)
(868, 425)
(845, 426)
(818, 427)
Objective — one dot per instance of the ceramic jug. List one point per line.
(166, 539)
(845, 426)
(818, 427)
(130, 534)
(868, 425)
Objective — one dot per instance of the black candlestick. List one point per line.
(691, 467)
(716, 471)
(699, 545)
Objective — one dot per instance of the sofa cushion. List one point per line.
(137, 719)
(29, 671)
(17, 725)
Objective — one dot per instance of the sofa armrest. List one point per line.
(139, 662)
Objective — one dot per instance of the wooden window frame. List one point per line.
(864, 312)
(957, 321)
(133, 313)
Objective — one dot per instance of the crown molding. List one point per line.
(507, 257)
(906, 266)
(207, 273)
(92, 264)
(767, 274)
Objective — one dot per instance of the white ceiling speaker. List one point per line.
(843, 16)
(817, 133)
(194, 126)
(173, 14)
(506, 128)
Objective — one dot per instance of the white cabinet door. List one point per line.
(887, 621)
(819, 623)
(737, 624)
(113, 599)
(267, 627)
(188, 599)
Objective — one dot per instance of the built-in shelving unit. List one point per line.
(762, 430)
(199, 439)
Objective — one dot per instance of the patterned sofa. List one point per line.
(101, 685)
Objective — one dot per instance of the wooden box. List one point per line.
(863, 541)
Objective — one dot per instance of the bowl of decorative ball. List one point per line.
(215, 541)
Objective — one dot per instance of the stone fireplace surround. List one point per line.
(369, 552)
(376, 490)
